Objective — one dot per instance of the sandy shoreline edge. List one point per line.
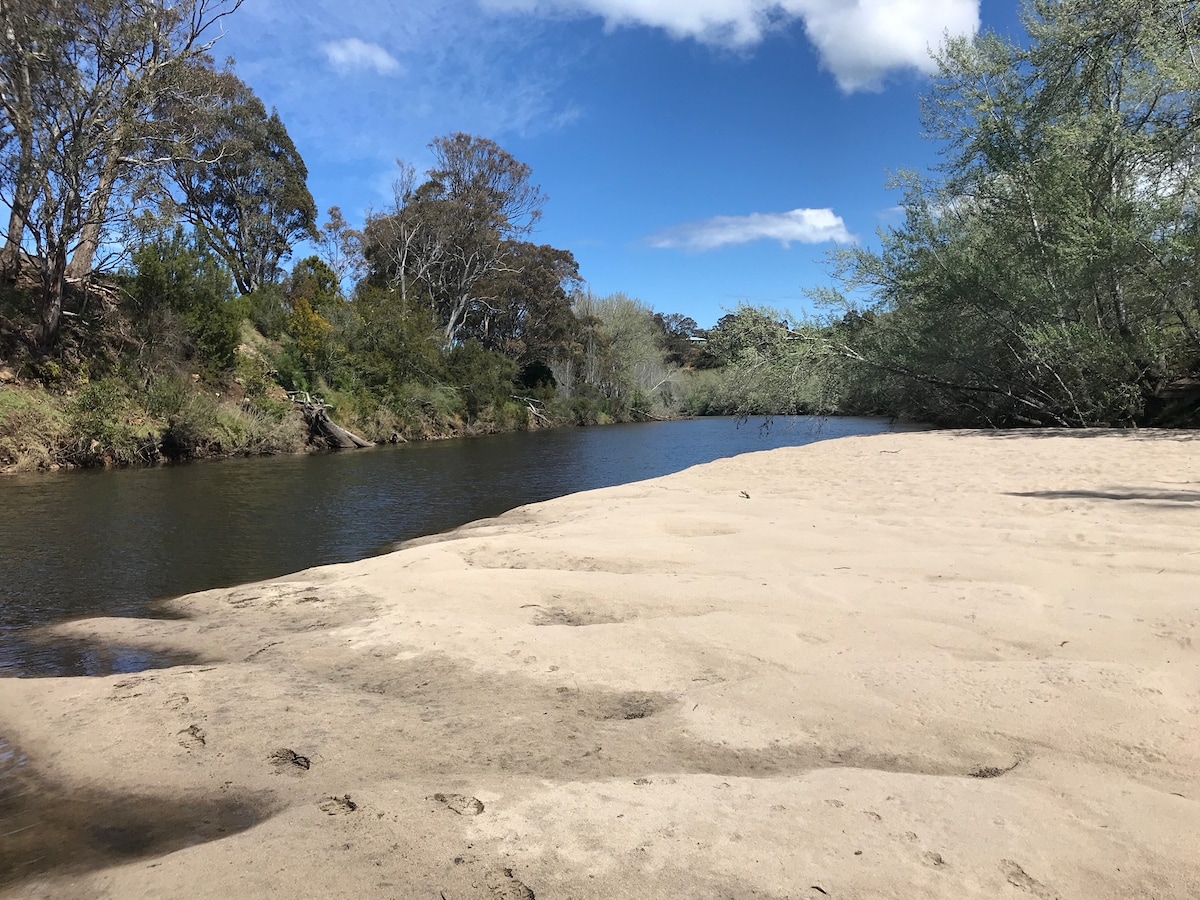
(936, 664)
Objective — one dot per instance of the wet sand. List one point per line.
(944, 664)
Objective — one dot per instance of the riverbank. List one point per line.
(108, 425)
(936, 664)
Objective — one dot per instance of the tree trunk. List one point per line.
(50, 314)
(89, 236)
(334, 435)
(323, 428)
(10, 256)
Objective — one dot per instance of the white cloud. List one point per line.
(463, 71)
(859, 41)
(804, 226)
(354, 55)
(862, 40)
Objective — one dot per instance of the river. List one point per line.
(109, 543)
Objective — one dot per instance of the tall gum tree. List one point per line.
(241, 181)
(82, 88)
(448, 238)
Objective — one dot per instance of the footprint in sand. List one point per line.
(339, 806)
(177, 702)
(459, 803)
(284, 759)
(129, 688)
(1018, 877)
(506, 886)
(192, 737)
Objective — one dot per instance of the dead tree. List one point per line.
(321, 428)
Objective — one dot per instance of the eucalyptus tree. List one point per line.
(341, 248)
(446, 239)
(82, 90)
(244, 186)
(529, 317)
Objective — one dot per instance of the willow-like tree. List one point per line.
(1049, 275)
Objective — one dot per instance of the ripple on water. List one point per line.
(30, 654)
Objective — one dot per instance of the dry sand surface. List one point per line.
(917, 665)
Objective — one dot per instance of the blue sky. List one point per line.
(696, 153)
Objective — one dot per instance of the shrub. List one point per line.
(102, 435)
(485, 378)
(31, 430)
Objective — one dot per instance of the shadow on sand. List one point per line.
(50, 828)
(1151, 495)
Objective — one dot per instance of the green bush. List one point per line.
(165, 396)
(267, 308)
(97, 420)
(176, 275)
(203, 427)
(192, 427)
(31, 430)
(484, 377)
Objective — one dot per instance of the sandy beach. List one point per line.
(942, 664)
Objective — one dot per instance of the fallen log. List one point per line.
(321, 428)
(536, 408)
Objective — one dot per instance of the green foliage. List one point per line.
(244, 183)
(1048, 276)
(164, 397)
(191, 425)
(97, 421)
(314, 282)
(268, 310)
(309, 331)
(448, 239)
(620, 352)
(675, 339)
(528, 313)
(87, 90)
(483, 377)
(585, 407)
(257, 378)
(197, 425)
(177, 281)
(31, 429)
(758, 361)
(393, 342)
(426, 409)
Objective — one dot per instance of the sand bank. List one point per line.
(919, 665)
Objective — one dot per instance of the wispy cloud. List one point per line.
(859, 41)
(802, 226)
(354, 55)
(463, 71)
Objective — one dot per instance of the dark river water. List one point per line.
(110, 543)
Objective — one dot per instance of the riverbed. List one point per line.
(111, 543)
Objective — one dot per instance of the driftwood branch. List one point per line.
(536, 408)
(321, 427)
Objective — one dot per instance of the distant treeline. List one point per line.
(1045, 275)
